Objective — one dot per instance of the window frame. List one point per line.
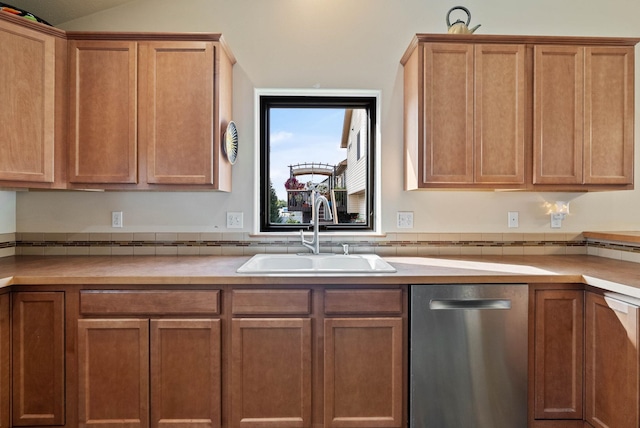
(265, 98)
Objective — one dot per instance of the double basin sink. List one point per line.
(331, 264)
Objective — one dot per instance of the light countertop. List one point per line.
(632, 237)
(613, 275)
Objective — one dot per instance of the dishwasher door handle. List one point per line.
(467, 304)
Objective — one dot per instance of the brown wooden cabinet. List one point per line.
(137, 371)
(113, 373)
(139, 357)
(271, 359)
(363, 359)
(363, 372)
(464, 115)
(558, 320)
(141, 373)
(32, 116)
(271, 372)
(612, 360)
(583, 115)
(5, 360)
(525, 112)
(347, 371)
(38, 332)
(165, 104)
(103, 142)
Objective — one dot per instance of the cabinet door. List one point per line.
(609, 115)
(5, 361)
(271, 373)
(185, 373)
(103, 135)
(363, 372)
(113, 373)
(499, 114)
(177, 111)
(38, 358)
(558, 114)
(447, 155)
(27, 109)
(558, 354)
(611, 374)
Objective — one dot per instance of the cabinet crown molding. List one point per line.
(516, 39)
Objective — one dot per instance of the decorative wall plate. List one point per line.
(230, 143)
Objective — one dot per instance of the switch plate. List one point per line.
(234, 220)
(116, 219)
(513, 219)
(405, 220)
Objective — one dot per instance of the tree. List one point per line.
(274, 213)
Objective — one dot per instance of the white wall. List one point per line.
(342, 44)
(7, 212)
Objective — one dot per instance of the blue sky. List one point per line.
(301, 135)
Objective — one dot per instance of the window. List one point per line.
(322, 141)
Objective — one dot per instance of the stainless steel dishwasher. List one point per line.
(468, 356)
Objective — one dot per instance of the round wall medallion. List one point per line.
(231, 142)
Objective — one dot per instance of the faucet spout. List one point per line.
(317, 201)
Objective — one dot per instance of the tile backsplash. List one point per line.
(245, 244)
(393, 244)
(7, 244)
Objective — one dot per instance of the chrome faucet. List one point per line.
(317, 200)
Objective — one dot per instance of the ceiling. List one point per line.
(59, 11)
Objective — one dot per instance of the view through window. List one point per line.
(322, 144)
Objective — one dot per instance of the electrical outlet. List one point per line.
(116, 219)
(513, 219)
(405, 220)
(556, 220)
(234, 220)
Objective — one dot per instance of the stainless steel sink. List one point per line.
(315, 264)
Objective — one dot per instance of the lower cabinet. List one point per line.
(363, 358)
(317, 358)
(271, 372)
(140, 372)
(612, 363)
(5, 360)
(314, 357)
(38, 388)
(586, 360)
(363, 372)
(558, 354)
(149, 358)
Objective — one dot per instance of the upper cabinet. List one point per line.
(32, 111)
(468, 103)
(103, 139)
(519, 112)
(121, 111)
(583, 115)
(149, 111)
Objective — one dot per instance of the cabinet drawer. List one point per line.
(363, 302)
(267, 302)
(161, 302)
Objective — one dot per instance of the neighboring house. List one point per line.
(354, 139)
(347, 179)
